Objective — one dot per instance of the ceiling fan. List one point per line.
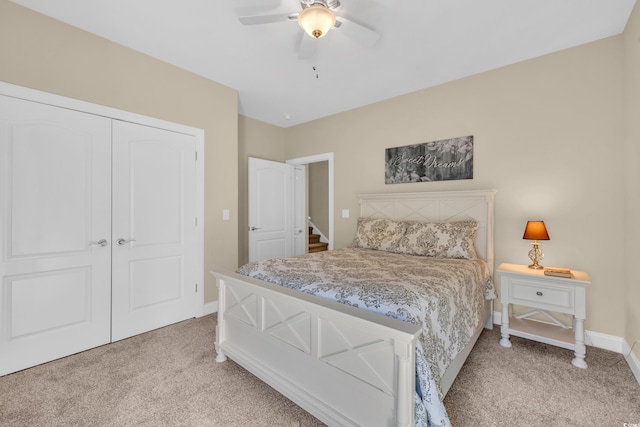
(317, 17)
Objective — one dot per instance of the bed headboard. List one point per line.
(438, 206)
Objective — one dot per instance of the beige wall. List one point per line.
(318, 195)
(548, 137)
(263, 141)
(44, 54)
(631, 153)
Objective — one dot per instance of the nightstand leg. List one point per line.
(581, 349)
(504, 329)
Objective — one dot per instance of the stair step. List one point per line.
(315, 245)
(318, 247)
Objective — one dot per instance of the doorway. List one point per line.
(272, 204)
(317, 159)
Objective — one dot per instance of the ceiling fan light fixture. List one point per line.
(316, 20)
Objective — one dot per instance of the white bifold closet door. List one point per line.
(154, 230)
(55, 196)
(68, 281)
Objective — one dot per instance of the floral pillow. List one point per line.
(379, 233)
(440, 239)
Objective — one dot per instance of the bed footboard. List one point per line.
(343, 365)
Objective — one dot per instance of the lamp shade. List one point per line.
(535, 230)
(316, 20)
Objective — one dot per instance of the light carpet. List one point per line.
(169, 377)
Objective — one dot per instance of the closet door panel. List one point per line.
(55, 198)
(154, 219)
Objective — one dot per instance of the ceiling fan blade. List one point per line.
(267, 19)
(360, 33)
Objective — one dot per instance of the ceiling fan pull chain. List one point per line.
(315, 58)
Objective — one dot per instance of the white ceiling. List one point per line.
(421, 43)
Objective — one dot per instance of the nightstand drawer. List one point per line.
(540, 294)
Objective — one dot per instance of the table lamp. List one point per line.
(535, 230)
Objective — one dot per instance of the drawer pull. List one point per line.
(539, 293)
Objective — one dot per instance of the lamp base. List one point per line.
(535, 255)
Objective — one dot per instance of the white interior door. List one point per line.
(270, 209)
(55, 198)
(154, 228)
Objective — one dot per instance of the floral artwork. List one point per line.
(443, 160)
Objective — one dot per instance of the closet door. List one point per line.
(55, 208)
(154, 228)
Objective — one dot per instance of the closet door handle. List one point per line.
(121, 241)
(101, 242)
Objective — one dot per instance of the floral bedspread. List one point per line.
(444, 296)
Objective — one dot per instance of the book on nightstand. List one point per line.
(557, 272)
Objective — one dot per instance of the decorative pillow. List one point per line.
(379, 233)
(440, 239)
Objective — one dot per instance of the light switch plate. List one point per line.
(225, 215)
(345, 213)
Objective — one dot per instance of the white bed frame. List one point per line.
(345, 366)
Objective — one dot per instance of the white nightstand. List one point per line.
(521, 285)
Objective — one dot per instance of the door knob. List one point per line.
(101, 242)
(122, 241)
(254, 228)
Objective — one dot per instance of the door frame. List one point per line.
(300, 238)
(325, 157)
(34, 95)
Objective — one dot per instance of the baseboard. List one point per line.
(603, 341)
(633, 361)
(210, 308)
(497, 318)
